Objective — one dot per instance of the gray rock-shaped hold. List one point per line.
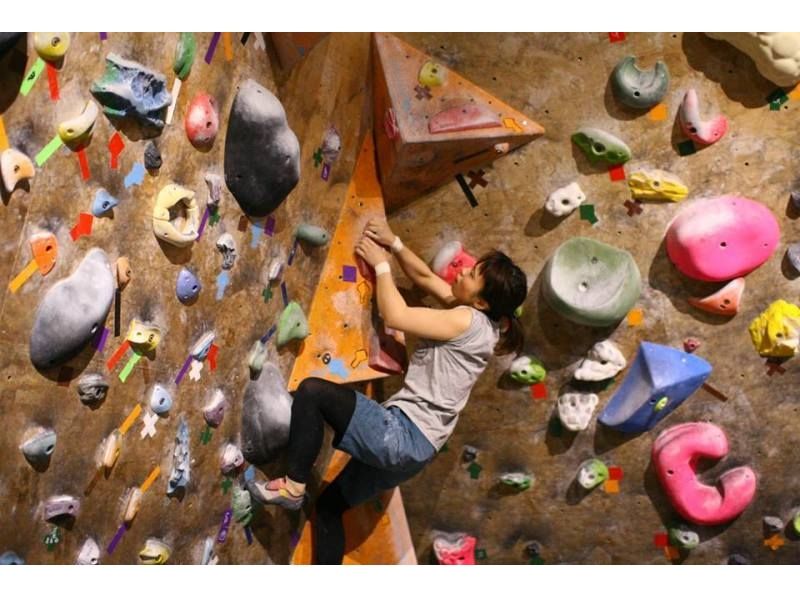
(152, 156)
(9, 557)
(180, 475)
(39, 446)
(128, 89)
(266, 415)
(72, 312)
(92, 388)
(262, 154)
(793, 255)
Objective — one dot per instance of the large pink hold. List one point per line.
(721, 238)
(675, 455)
(202, 121)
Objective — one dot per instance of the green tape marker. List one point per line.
(123, 375)
(48, 150)
(32, 76)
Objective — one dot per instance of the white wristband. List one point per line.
(382, 268)
(397, 245)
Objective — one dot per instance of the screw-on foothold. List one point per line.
(772, 525)
(738, 559)
(470, 453)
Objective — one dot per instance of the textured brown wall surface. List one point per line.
(561, 81)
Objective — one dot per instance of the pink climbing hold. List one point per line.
(463, 118)
(675, 455)
(701, 131)
(451, 260)
(202, 121)
(724, 302)
(455, 550)
(721, 238)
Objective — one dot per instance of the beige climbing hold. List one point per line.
(145, 335)
(575, 409)
(176, 216)
(777, 55)
(124, 272)
(109, 451)
(724, 302)
(657, 185)
(51, 46)
(15, 167)
(133, 504)
(604, 361)
(77, 132)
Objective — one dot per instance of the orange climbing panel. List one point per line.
(431, 123)
(342, 321)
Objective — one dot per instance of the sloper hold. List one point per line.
(262, 154)
(656, 185)
(777, 54)
(315, 235)
(176, 217)
(15, 167)
(676, 453)
(103, 203)
(725, 302)
(72, 311)
(77, 132)
(591, 283)
(696, 129)
(266, 415)
(660, 379)
(599, 145)
(423, 143)
(776, 331)
(188, 286)
(637, 88)
(292, 324)
(39, 446)
(51, 46)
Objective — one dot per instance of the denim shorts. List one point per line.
(387, 449)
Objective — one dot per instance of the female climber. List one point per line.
(391, 442)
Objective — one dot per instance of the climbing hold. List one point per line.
(214, 409)
(51, 46)
(227, 247)
(777, 55)
(15, 167)
(772, 525)
(565, 200)
(450, 260)
(160, 400)
(181, 471)
(201, 348)
(533, 549)
(331, 145)
(266, 414)
(683, 537)
(292, 324)
(527, 370)
(128, 89)
(109, 450)
(262, 154)
(44, 247)
(188, 286)
(776, 331)
(89, 553)
(796, 523)
(517, 480)
(604, 361)
(738, 559)
(72, 311)
(592, 473)
(202, 121)
(92, 388)
(432, 74)
(599, 145)
(62, 505)
(591, 283)
(464, 117)
(184, 55)
(39, 445)
(146, 336)
(700, 131)
(794, 198)
(155, 552)
(312, 234)
(575, 409)
(793, 255)
(256, 358)
(152, 156)
(208, 553)
(658, 372)
(230, 459)
(637, 88)
(124, 273)
(454, 549)
(721, 238)
(214, 183)
(9, 557)
(469, 454)
(176, 216)
(275, 269)
(691, 344)
(724, 302)
(656, 185)
(77, 132)
(675, 454)
(241, 505)
(133, 503)
(103, 203)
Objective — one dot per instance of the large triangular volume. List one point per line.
(347, 342)
(431, 124)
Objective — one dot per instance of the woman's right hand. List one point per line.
(378, 230)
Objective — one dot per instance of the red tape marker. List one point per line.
(539, 391)
(85, 174)
(212, 357)
(123, 348)
(52, 80)
(115, 146)
(83, 227)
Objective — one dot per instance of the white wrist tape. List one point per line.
(382, 268)
(397, 245)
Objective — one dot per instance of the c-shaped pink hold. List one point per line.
(675, 455)
(702, 131)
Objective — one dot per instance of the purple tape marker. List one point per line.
(99, 342)
(349, 273)
(294, 538)
(248, 534)
(103, 37)
(269, 334)
(292, 252)
(284, 294)
(326, 171)
(203, 223)
(223, 529)
(212, 47)
(183, 371)
(269, 227)
(115, 540)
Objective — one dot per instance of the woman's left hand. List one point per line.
(371, 252)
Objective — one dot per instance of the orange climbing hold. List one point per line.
(724, 302)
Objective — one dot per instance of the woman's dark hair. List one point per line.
(505, 287)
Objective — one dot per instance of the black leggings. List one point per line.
(316, 402)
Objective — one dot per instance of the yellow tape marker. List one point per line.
(126, 425)
(150, 479)
(3, 137)
(23, 276)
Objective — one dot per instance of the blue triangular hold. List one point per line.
(659, 380)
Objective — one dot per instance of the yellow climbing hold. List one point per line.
(776, 332)
(51, 46)
(658, 185)
(144, 335)
(432, 74)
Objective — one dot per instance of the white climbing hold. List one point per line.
(603, 362)
(565, 200)
(575, 409)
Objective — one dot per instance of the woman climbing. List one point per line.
(391, 442)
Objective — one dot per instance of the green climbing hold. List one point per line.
(517, 481)
(682, 537)
(592, 473)
(184, 55)
(292, 324)
(599, 145)
(661, 404)
(312, 234)
(527, 370)
(241, 505)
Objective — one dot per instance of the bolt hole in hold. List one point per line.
(583, 287)
(670, 472)
(636, 93)
(94, 328)
(16, 168)
(723, 244)
(565, 201)
(599, 148)
(594, 260)
(208, 124)
(747, 163)
(55, 41)
(726, 301)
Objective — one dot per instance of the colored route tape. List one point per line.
(112, 362)
(115, 540)
(52, 81)
(183, 371)
(23, 276)
(212, 47)
(150, 479)
(126, 371)
(84, 163)
(32, 76)
(48, 150)
(3, 136)
(126, 425)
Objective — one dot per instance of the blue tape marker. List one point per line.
(256, 230)
(135, 176)
(222, 281)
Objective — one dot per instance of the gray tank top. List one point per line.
(441, 375)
